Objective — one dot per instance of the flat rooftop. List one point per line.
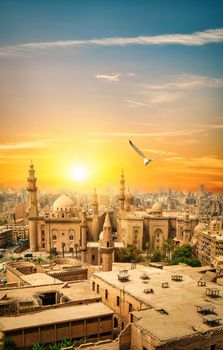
(75, 291)
(39, 278)
(52, 316)
(179, 300)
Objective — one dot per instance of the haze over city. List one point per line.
(81, 78)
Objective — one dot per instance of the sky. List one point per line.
(80, 78)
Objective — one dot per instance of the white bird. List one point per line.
(145, 159)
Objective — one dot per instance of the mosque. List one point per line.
(67, 229)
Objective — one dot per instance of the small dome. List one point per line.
(63, 203)
(157, 207)
(101, 236)
(199, 227)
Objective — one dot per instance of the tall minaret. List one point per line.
(95, 220)
(186, 229)
(121, 196)
(107, 245)
(83, 247)
(33, 209)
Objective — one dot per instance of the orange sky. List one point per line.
(65, 103)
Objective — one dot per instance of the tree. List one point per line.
(185, 251)
(63, 246)
(184, 254)
(128, 254)
(8, 344)
(168, 247)
(156, 255)
(147, 251)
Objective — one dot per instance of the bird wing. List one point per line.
(137, 150)
(159, 155)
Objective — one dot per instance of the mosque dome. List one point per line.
(63, 203)
(199, 228)
(129, 198)
(157, 207)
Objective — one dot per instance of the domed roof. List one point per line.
(101, 236)
(199, 227)
(157, 207)
(63, 203)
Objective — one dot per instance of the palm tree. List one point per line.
(168, 247)
(63, 246)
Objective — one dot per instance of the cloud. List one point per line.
(110, 78)
(193, 39)
(136, 103)
(187, 82)
(170, 133)
(211, 126)
(27, 145)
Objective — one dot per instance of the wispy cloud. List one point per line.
(110, 78)
(27, 145)
(211, 126)
(187, 82)
(136, 103)
(170, 133)
(193, 39)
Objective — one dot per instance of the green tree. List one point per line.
(8, 344)
(185, 251)
(156, 255)
(188, 261)
(168, 247)
(128, 254)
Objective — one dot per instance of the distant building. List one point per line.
(209, 241)
(5, 238)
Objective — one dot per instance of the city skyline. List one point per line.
(79, 79)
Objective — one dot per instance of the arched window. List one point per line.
(158, 238)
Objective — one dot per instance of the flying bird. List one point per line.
(145, 159)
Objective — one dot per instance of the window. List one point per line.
(117, 301)
(98, 288)
(106, 294)
(131, 318)
(213, 347)
(130, 307)
(92, 320)
(93, 257)
(93, 286)
(71, 237)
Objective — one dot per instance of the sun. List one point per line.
(78, 173)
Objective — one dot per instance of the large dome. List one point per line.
(63, 203)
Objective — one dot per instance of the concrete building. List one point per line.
(169, 309)
(208, 240)
(48, 314)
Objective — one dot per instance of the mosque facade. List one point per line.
(66, 229)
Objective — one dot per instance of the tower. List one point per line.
(107, 245)
(95, 219)
(186, 229)
(32, 208)
(83, 247)
(121, 196)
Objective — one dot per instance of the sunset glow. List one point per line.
(78, 81)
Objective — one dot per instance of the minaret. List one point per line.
(33, 209)
(121, 196)
(186, 229)
(107, 245)
(95, 220)
(83, 247)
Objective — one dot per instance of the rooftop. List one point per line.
(179, 301)
(71, 313)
